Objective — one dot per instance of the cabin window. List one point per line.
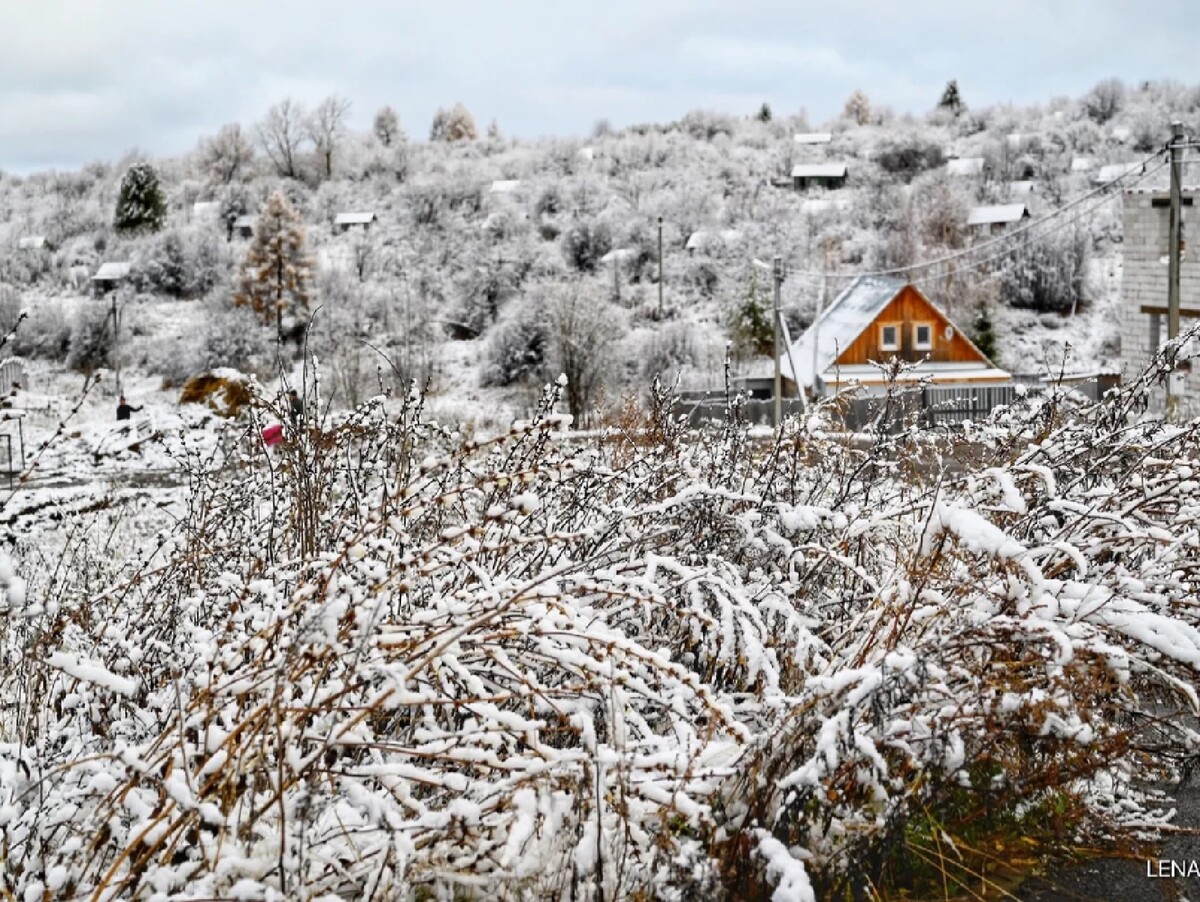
(923, 336)
(889, 337)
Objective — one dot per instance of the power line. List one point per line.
(1000, 239)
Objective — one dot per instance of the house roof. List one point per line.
(112, 271)
(504, 186)
(1115, 171)
(965, 166)
(835, 330)
(362, 218)
(995, 215)
(246, 221)
(620, 254)
(1022, 186)
(205, 207)
(812, 137)
(31, 242)
(819, 171)
(1082, 164)
(702, 239)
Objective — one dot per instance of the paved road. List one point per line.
(1103, 880)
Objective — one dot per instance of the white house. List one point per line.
(244, 226)
(32, 243)
(1115, 172)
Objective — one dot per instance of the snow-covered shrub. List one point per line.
(909, 154)
(1105, 100)
(706, 124)
(517, 346)
(45, 333)
(1048, 274)
(232, 338)
(93, 338)
(584, 242)
(670, 347)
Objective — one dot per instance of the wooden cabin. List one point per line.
(820, 175)
(997, 218)
(109, 276)
(877, 319)
(362, 220)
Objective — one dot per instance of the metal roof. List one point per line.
(111, 271)
(504, 186)
(1082, 164)
(813, 137)
(1000, 213)
(819, 170)
(31, 242)
(848, 316)
(363, 218)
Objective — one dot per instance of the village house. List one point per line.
(877, 319)
(109, 276)
(965, 166)
(819, 175)
(997, 218)
(362, 221)
(32, 243)
(1115, 172)
(244, 226)
(1144, 254)
(812, 138)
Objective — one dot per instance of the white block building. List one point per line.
(1144, 285)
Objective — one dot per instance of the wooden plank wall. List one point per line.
(905, 309)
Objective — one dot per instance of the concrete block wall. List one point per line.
(1144, 280)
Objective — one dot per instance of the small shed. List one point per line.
(1115, 172)
(244, 226)
(877, 318)
(712, 241)
(1082, 164)
(820, 175)
(811, 138)
(32, 243)
(363, 221)
(206, 211)
(110, 275)
(965, 166)
(1122, 133)
(504, 186)
(1020, 188)
(998, 217)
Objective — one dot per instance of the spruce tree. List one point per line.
(141, 206)
(276, 272)
(951, 99)
(764, 113)
(984, 335)
(752, 328)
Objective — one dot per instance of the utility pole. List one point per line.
(116, 320)
(777, 273)
(660, 270)
(1173, 260)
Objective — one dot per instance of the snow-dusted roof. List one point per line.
(205, 208)
(620, 254)
(31, 242)
(112, 271)
(849, 314)
(813, 137)
(588, 153)
(1014, 139)
(504, 186)
(1019, 187)
(965, 166)
(362, 218)
(1121, 133)
(1000, 213)
(819, 170)
(245, 222)
(1115, 171)
(1082, 164)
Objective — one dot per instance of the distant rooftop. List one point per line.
(361, 218)
(1115, 171)
(819, 170)
(113, 271)
(813, 137)
(965, 166)
(998, 214)
(504, 186)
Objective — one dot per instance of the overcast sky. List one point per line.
(84, 80)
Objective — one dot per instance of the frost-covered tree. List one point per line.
(93, 339)
(983, 334)
(227, 156)
(951, 99)
(276, 272)
(141, 206)
(751, 325)
(455, 124)
(857, 108)
(583, 329)
(1105, 100)
(386, 126)
(1048, 275)
(281, 134)
(327, 127)
(584, 243)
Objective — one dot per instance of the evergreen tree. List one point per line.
(764, 113)
(951, 99)
(276, 272)
(984, 335)
(752, 329)
(141, 206)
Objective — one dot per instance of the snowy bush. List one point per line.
(585, 242)
(517, 346)
(93, 338)
(1048, 274)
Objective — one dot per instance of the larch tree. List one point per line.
(857, 108)
(387, 127)
(141, 206)
(327, 127)
(281, 134)
(276, 272)
(455, 124)
(227, 156)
